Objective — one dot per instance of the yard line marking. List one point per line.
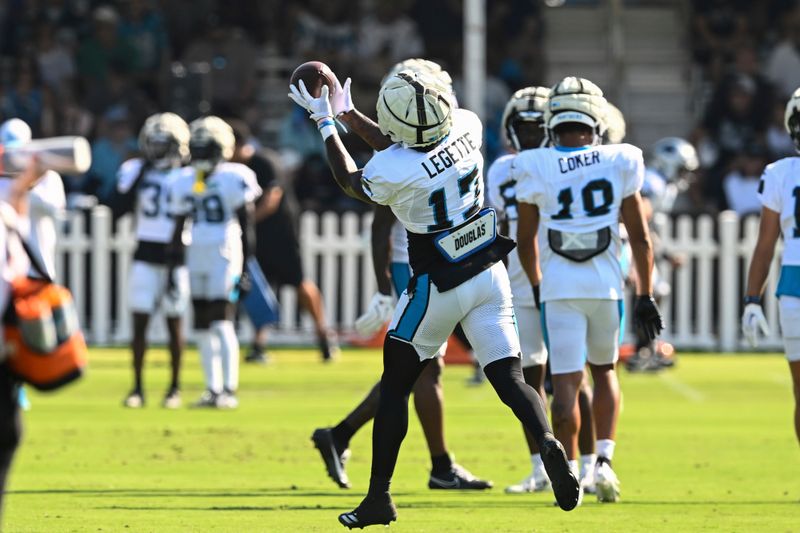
(682, 388)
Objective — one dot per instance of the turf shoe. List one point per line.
(134, 400)
(328, 346)
(209, 399)
(458, 478)
(256, 357)
(371, 511)
(605, 481)
(587, 481)
(334, 461)
(536, 482)
(566, 488)
(172, 400)
(227, 400)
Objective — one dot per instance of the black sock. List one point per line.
(342, 433)
(378, 487)
(441, 464)
(601, 460)
(505, 375)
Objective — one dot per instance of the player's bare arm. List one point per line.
(527, 247)
(768, 232)
(366, 128)
(633, 215)
(246, 216)
(269, 203)
(382, 222)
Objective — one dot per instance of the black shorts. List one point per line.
(278, 252)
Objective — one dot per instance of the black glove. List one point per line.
(646, 318)
(171, 285)
(536, 297)
(244, 284)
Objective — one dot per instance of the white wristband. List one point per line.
(326, 128)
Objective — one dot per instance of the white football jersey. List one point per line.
(579, 191)
(780, 192)
(213, 212)
(435, 190)
(500, 188)
(153, 220)
(398, 240)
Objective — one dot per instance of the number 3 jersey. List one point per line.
(779, 191)
(579, 192)
(154, 223)
(433, 194)
(213, 210)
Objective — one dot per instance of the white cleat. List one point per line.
(134, 400)
(606, 483)
(227, 400)
(587, 481)
(536, 482)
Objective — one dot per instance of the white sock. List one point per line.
(229, 349)
(587, 462)
(573, 465)
(605, 448)
(208, 344)
(536, 461)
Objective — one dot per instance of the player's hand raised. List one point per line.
(341, 100)
(753, 320)
(378, 312)
(319, 108)
(646, 318)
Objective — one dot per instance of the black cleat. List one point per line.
(334, 462)
(371, 511)
(566, 487)
(328, 347)
(257, 357)
(458, 478)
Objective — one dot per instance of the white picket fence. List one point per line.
(701, 313)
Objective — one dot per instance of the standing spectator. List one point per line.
(779, 143)
(742, 183)
(783, 63)
(115, 142)
(104, 48)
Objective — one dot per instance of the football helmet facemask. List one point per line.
(526, 106)
(164, 140)
(576, 100)
(211, 141)
(674, 158)
(413, 111)
(791, 118)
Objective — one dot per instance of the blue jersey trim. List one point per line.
(543, 318)
(789, 282)
(401, 275)
(621, 309)
(414, 312)
(572, 148)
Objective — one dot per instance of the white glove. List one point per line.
(753, 320)
(341, 100)
(379, 311)
(319, 108)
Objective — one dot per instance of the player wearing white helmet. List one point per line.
(218, 197)
(392, 270)
(431, 178)
(779, 193)
(576, 191)
(523, 128)
(143, 185)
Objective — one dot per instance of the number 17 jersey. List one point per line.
(579, 191)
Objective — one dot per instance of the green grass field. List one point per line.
(705, 447)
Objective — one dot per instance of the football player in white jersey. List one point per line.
(392, 270)
(779, 193)
(143, 186)
(431, 178)
(576, 191)
(218, 196)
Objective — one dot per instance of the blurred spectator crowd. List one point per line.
(99, 68)
(748, 58)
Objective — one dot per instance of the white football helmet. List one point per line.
(525, 105)
(164, 140)
(576, 100)
(413, 110)
(791, 118)
(15, 132)
(423, 66)
(673, 157)
(211, 141)
(615, 125)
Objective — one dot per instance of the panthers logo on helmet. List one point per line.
(672, 157)
(791, 118)
(413, 111)
(425, 67)
(576, 100)
(164, 140)
(210, 142)
(525, 105)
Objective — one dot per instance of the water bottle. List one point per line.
(65, 155)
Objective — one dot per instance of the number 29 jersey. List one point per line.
(213, 211)
(579, 191)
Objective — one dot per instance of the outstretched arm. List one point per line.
(382, 222)
(364, 127)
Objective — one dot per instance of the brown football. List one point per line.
(314, 74)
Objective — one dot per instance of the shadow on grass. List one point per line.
(198, 493)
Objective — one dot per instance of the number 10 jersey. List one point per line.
(579, 192)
